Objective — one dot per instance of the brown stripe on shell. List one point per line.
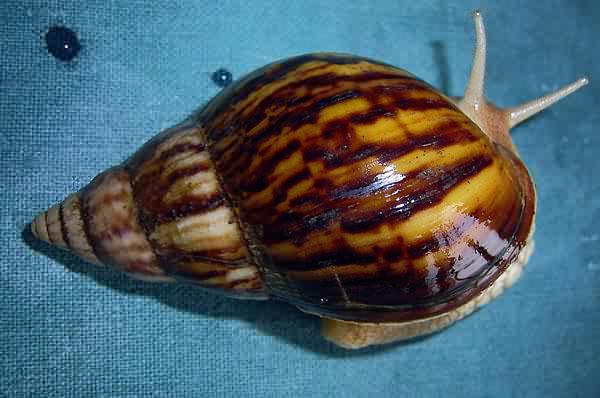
(450, 133)
(152, 182)
(419, 189)
(323, 159)
(186, 217)
(89, 237)
(296, 117)
(63, 227)
(180, 148)
(273, 74)
(113, 231)
(86, 215)
(332, 156)
(190, 205)
(243, 281)
(49, 235)
(54, 226)
(283, 97)
(213, 233)
(432, 192)
(74, 222)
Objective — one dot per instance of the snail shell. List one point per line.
(345, 186)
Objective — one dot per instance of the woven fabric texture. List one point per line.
(72, 329)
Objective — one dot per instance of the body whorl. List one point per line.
(366, 194)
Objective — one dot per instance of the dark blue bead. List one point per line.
(222, 77)
(62, 43)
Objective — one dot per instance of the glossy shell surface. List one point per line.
(362, 192)
(347, 187)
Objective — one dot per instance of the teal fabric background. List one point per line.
(71, 329)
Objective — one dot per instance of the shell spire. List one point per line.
(161, 216)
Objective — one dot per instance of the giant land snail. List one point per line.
(344, 186)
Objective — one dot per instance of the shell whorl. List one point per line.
(371, 195)
(99, 223)
(161, 216)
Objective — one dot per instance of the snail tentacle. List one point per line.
(495, 121)
(474, 93)
(492, 120)
(522, 112)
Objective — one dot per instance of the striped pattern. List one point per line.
(187, 218)
(73, 231)
(343, 185)
(160, 217)
(359, 334)
(366, 193)
(62, 225)
(100, 225)
(110, 223)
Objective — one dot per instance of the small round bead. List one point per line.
(62, 43)
(222, 77)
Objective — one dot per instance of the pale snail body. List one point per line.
(342, 185)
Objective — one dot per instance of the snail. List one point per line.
(345, 186)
